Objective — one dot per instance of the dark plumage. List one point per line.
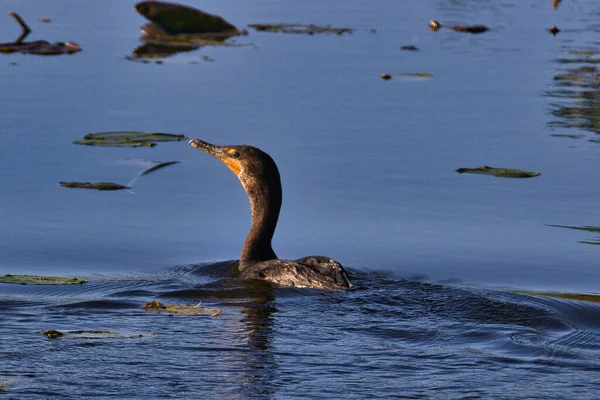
(259, 176)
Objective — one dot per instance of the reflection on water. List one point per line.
(576, 99)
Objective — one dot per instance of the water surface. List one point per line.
(368, 169)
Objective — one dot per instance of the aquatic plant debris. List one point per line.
(37, 47)
(177, 18)
(128, 139)
(187, 309)
(94, 185)
(420, 75)
(435, 26)
(157, 167)
(39, 280)
(499, 172)
(309, 29)
(91, 334)
(579, 228)
(594, 298)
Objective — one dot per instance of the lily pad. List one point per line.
(187, 309)
(91, 334)
(177, 18)
(299, 28)
(39, 280)
(95, 185)
(128, 139)
(499, 172)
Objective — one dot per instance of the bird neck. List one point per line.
(264, 194)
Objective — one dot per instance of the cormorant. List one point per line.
(259, 176)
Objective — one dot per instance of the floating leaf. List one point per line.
(187, 309)
(499, 172)
(128, 139)
(95, 185)
(91, 334)
(579, 228)
(299, 28)
(177, 18)
(39, 280)
(435, 26)
(418, 75)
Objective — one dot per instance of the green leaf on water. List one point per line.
(499, 172)
(39, 280)
(128, 139)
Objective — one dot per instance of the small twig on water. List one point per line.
(24, 26)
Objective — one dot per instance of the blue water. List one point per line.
(368, 170)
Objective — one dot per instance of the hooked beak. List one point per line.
(219, 153)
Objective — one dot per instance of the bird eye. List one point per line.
(235, 154)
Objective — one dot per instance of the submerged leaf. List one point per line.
(499, 172)
(39, 280)
(187, 309)
(95, 185)
(91, 334)
(128, 139)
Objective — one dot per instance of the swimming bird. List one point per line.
(260, 178)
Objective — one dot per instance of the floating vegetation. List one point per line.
(128, 139)
(435, 26)
(153, 168)
(91, 334)
(94, 185)
(499, 172)
(299, 29)
(579, 228)
(419, 75)
(187, 309)
(177, 18)
(117, 186)
(38, 47)
(177, 28)
(39, 280)
(554, 30)
(157, 167)
(589, 228)
(409, 48)
(594, 298)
